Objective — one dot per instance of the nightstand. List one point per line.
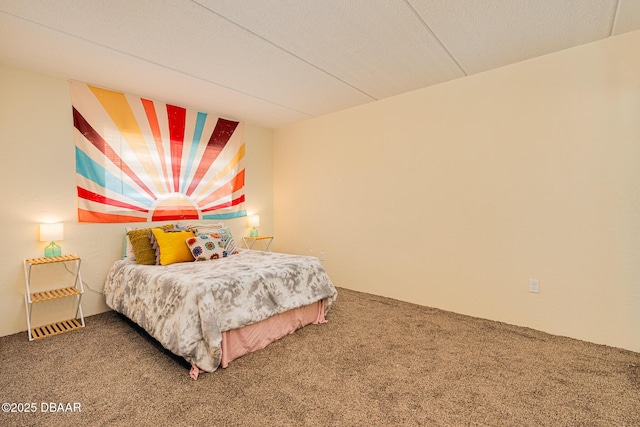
(249, 241)
(31, 298)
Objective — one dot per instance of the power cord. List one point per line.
(83, 282)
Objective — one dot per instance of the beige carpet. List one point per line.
(377, 362)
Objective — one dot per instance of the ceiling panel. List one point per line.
(487, 34)
(83, 61)
(628, 18)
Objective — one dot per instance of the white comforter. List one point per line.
(187, 306)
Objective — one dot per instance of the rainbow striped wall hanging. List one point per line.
(141, 160)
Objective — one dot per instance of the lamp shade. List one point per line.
(51, 232)
(254, 220)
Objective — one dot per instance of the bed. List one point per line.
(211, 312)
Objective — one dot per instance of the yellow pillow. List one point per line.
(173, 246)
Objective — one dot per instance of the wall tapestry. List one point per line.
(143, 160)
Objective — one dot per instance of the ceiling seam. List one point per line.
(286, 51)
(433, 34)
(614, 22)
(157, 64)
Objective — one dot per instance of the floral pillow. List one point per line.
(206, 246)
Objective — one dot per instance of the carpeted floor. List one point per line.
(377, 362)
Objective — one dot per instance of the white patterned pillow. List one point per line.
(206, 246)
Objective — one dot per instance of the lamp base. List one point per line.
(253, 232)
(52, 250)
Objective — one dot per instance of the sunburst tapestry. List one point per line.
(144, 160)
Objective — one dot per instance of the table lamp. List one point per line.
(51, 233)
(254, 221)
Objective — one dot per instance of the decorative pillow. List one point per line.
(127, 249)
(208, 227)
(154, 242)
(206, 246)
(227, 240)
(172, 246)
(142, 249)
(184, 227)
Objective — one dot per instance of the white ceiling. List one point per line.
(273, 62)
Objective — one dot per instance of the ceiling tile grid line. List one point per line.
(435, 36)
(614, 21)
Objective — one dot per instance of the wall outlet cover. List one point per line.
(534, 285)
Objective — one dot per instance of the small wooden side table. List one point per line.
(249, 241)
(31, 298)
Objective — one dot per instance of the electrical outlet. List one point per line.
(322, 256)
(534, 285)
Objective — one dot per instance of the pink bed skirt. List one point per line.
(241, 341)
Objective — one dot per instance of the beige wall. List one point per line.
(37, 183)
(454, 196)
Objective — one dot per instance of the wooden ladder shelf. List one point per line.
(30, 298)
